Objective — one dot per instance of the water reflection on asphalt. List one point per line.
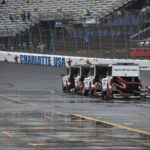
(36, 115)
(28, 128)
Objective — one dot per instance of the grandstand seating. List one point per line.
(128, 19)
(51, 9)
(43, 27)
(9, 28)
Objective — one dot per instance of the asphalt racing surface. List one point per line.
(36, 115)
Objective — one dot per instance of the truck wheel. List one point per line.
(108, 94)
(67, 88)
(143, 98)
(104, 95)
(63, 88)
(85, 92)
(77, 90)
(91, 93)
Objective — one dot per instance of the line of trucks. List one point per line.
(121, 80)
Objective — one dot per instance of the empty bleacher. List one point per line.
(50, 9)
(109, 31)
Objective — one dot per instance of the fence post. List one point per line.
(19, 39)
(8, 40)
(99, 36)
(112, 38)
(63, 34)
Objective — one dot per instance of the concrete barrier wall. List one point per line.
(63, 61)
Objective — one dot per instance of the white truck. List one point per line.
(79, 79)
(68, 78)
(92, 84)
(122, 80)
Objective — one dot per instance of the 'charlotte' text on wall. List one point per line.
(43, 60)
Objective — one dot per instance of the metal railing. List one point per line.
(108, 37)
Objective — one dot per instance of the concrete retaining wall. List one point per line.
(63, 61)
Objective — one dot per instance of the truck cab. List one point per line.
(122, 80)
(92, 84)
(68, 78)
(79, 79)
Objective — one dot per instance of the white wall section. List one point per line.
(63, 61)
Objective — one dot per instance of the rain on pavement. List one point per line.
(36, 114)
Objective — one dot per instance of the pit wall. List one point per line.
(64, 61)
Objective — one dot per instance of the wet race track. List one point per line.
(36, 115)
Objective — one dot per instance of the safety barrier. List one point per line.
(64, 61)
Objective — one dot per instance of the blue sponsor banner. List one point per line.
(43, 60)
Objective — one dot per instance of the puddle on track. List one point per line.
(47, 130)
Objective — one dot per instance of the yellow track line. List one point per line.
(111, 124)
(15, 100)
(11, 99)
